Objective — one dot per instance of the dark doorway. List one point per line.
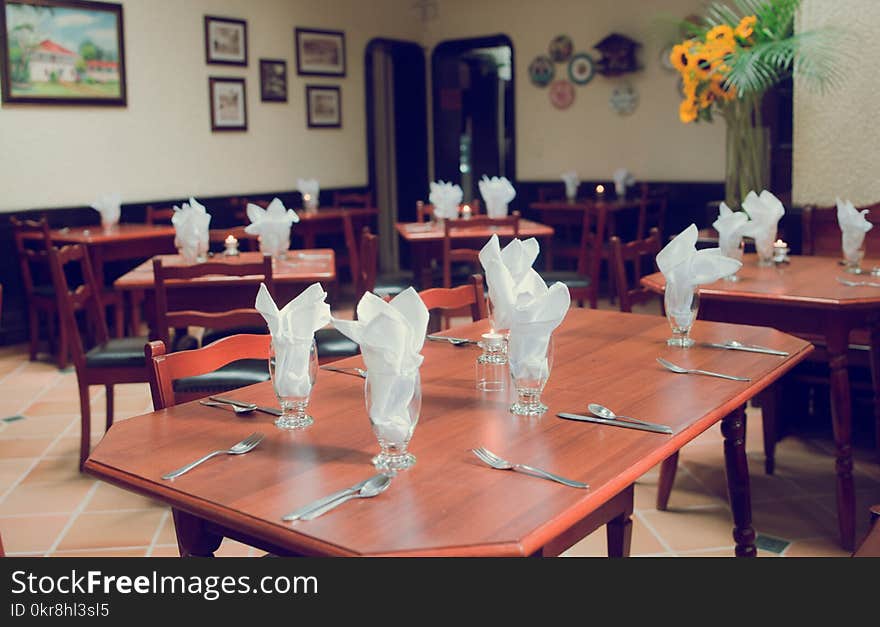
(397, 137)
(474, 118)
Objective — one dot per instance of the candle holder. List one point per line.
(466, 212)
(491, 367)
(600, 192)
(780, 252)
(230, 246)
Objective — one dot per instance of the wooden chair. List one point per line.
(353, 199)
(425, 211)
(633, 254)
(870, 546)
(385, 285)
(454, 254)
(455, 301)
(112, 360)
(583, 283)
(567, 224)
(652, 210)
(165, 370)
(159, 215)
(548, 193)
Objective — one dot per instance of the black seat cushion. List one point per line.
(391, 285)
(334, 345)
(232, 376)
(571, 279)
(212, 335)
(124, 352)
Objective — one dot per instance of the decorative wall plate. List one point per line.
(541, 70)
(561, 94)
(561, 48)
(581, 69)
(624, 99)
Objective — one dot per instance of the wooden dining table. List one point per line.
(449, 503)
(217, 293)
(426, 239)
(804, 297)
(612, 208)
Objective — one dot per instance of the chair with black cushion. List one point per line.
(110, 361)
(158, 215)
(583, 282)
(456, 301)
(457, 258)
(169, 279)
(353, 199)
(628, 264)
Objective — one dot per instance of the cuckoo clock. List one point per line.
(618, 55)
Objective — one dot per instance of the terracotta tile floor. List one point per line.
(47, 508)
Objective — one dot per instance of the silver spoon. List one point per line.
(375, 486)
(604, 412)
(238, 409)
(678, 369)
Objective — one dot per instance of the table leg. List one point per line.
(875, 378)
(193, 538)
(769, 420)
(667, 478)
(841, 418)
(618, 531)
(733, 427)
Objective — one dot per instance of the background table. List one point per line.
(449, 503)
(611, 208)
(805, 298)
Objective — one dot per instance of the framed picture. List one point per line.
(228, 104)
(225, 41)
(320, 52)
(323, 106)
(62, 52)
(273, 80)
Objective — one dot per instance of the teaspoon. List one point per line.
(604, 412)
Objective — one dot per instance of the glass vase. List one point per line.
(747, 163)
(292, 391)
(394, 403)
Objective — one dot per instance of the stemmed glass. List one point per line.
(530, 375)
(764, 248)
(853, 250)
(733, 248)
(681, 307)
(393, 405)
(292, 396)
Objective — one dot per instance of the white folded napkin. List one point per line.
(622, 180)
(272, 225)
(572, 181)
(108, 205)
(523, 303)
(685, 267)
(391, 335)
(730, 226)
(191, 221)
(293, 330)
(497, 192)
(446, 197)
(310, 188)
(853, 226)
(764, 211)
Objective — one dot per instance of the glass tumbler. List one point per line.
(681, 311)
(293, 396)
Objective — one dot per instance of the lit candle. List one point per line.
(780, 251)
(231, 243)
(493, 339)
(466, 212)
(600, 191)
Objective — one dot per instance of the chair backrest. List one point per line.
(457, 254)
(630, 291)
(820, 232)
(164, 368)
(353, 199)
(368, 263)
(652, 209)
(425, 211)
(452, 300)
(31, 252)
(176, 277)
(159, 215)
(85, 297)
(351, 245)
(551, 192)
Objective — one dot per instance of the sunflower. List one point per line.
(722, 89)
(721, 34)
(706, 98)
(746, 27)
(687, 111)
(680, 57)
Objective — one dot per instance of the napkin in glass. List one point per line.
(497, 192)
(508, 272)
(272, 225)
(108, 205)
(853, 226)
(685, 267)
(572, 182)
(730, 226)
(622, 180)
(310, 188)
(445, 197)
(293, 331)
(191, 221)
(391, 335)
(765, 211)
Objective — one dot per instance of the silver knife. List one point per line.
(305, 509)
(748, 348)
(230, 401)
(450, 340)
(654, 428)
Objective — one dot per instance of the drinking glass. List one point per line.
(732, 248)
(681, 312)
(293, 406)
(764, 248)
(853, 251)
(529, 375)
(394, 413)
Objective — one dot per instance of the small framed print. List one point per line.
(273, 80)
(228, 104)
(225, 41)
(324, 106)
(320, 52)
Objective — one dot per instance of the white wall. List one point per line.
(589, 137)
(161, 145)
(836, 135)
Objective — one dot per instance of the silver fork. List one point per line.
(494, 461)
(246, 445)
(678, 369)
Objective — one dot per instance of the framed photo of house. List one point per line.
(225, 41)
(323, 106)
(320, 52)
(273, 80)
(228, 103)
(62, 52)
